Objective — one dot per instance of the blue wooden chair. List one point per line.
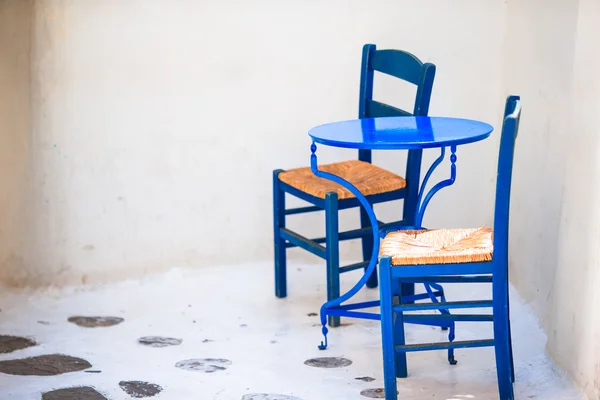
(378, 184)
(452, 256)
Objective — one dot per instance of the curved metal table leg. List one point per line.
(374, 226)
(422, 203)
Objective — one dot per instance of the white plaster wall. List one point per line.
(151, 130)
(15, 24)
(551, 58)
(156, 126)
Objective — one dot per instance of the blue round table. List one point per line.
(391, 133)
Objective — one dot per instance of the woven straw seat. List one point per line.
(439, 246)
(367, 178)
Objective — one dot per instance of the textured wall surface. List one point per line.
(155, 128)
(552, 53)
(15, 113)
(137, 136)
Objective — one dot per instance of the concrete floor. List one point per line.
(231, 313)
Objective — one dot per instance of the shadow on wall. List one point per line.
(15, 39)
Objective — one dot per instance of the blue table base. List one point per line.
(433, 290)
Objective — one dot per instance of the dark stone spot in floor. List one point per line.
(207, 365)
(374, 393)
(207, 341)
(268, 396)
(365, 379)
(138, 389)
(316, 325)
(43, 322)
(95, 322)
(93, 371)
(243, 325)
(47, 365)
(159, 341)
(8, 344)
(75, 393)
(312, 314)
(328, 362)
(273, 341)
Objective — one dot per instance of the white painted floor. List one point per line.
(266, 339)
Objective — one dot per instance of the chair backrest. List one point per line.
(510, 130)
(405, 66)
(399, 64)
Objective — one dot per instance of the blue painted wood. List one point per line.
(358, 306)
(443, 311)
(384, 110)
(446, 345)
(445, 318)
(279, 243)
(354, 233)
(387, 331)
(400, 133)
(354, 314)
(399, 64)
(444, 306)
(504, 358)
(451, 279)
(423, 202)
(301, 241)
(412, 271)
(398, 333)
(373, 222)
(332, 252)
(407, 67)
(354, 267)
(302, 210)
(367, 248)
(404, 66)
(448, 273)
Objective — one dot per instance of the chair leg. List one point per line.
(502, 343)
(332, 251)
(510, 350)
(279, 243)
(390, 363)
(399, 337)
(367, 247)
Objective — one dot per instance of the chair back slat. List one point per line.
(399, 64)
(376, 109)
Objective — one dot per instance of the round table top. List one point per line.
(400, 133)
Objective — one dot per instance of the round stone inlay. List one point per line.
(75, 393)
(365, 379)
(8, 344)
(269, 396)
(95, 322)
(374, 393)
(139, 389)
(47, 365)
(159, 341)
(328, 362)
(207, 365)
